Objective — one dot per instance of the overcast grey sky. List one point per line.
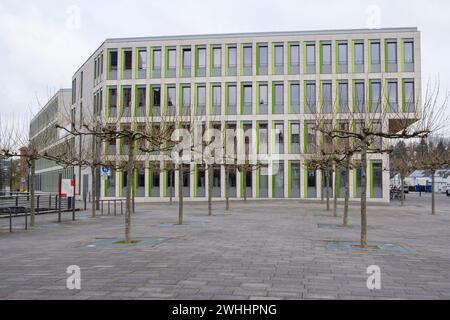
(42, 43)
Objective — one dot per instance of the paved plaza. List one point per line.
(257, 250)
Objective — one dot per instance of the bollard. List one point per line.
(121, 207)
(115, 211)
(37, 204)
(10, 220)
(26, 220)
(73, 209)
(59, 209)
(102, 206)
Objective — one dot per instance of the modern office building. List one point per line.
(45, 135)
(269, 84)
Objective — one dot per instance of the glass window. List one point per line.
(343, 53)
(311, 97)
(279, 55)
(186, 96)
(376, 96)
(232, 95)
(409, 96)
(375, 52)
(326, 53)
(156, 97)
(310, 54)
(156, 59)
(186, 58)
(343, 96)
(295, 138)
(248, 94)
(359, 96)
(247, 56)
(171, 96)
(392, 52)
(263, 138)
(359, 53)
(201, 95)
(217, 57)
(295, 55)
(279, 98)
(279, 138)
(327, 97)
(409, 51)
(263, 55)
(172, 58)
(311, 138)
(216, 95)
(113, 59)
(142, 59)
(295, 94)
(393, 96)
(128, 59)
(201, 57)
(263, 94)
(232, 57)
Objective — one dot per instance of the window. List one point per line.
(375, 60)
(343, 96)
(327, 97)
(112, 108)
(278, 107)
(186, 103)
(392, 96)
(142, 63)
(375, 92)
(156, 101)
(409, 96)
(279, 59)
(409, 56)
(232, 99)
(232, 61)
(171, 63)
(247, 60)
(186, 62)
(310, 100)
(278, 185)
(127, 64)
(113, 65)
(391, 56)
(295, 98)
(342, 57)
(263, 59)
(126, 111)
(358, 63)
(247, 92)
(201, 69)
(295, 59)
(295, 138)
(171, 98)
(263, 98)
(264, 181)
(311, 137)
(156, 70)
(310, 58)
(216, 96)
(295, 179)
(141, 94)
(377, 174)
(326, 58)
(201, 96)
(279, 138)
(359, 96)
(217, 61)
(263, 138)
(81, 85)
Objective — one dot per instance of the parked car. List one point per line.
(448, 190)
(405, 189)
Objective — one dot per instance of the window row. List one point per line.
(238, 99)
(179, 61)
(299, 182)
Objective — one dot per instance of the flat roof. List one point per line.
(261, 34)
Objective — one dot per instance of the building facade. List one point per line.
(268, 84)
(45, 135)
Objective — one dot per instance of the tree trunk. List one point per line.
(402, 192)
(227, 195)
(322, 183)
(32, 192)
(335, 199)
(171, 187)
(93, 187)
(244, 172)
(347, 190)
(210, 188)
(433, 202)
(327, 182)
(180, 194)
(129, 194)
(364, 195)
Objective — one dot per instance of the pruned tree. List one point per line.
(402, 162)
